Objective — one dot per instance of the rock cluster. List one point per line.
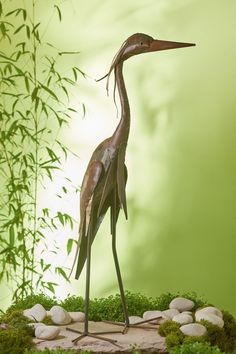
(58, 316)
(181, 310)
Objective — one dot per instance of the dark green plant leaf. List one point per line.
(61, 272)
(69, 245)
(19, 29)
(58, 11)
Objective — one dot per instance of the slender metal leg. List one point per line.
(86, 332)
(126, 324)
(113, 232)
(122, 294)
(86, 310)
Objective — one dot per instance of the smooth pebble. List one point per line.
(193, 329)
(182, 318)
(36, 313)
(47, 332)
(59, 316)
(181, 304)
(152, 314)
(77, 316)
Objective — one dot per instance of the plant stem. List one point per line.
(36, 156)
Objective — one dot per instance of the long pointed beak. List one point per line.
(157, 44)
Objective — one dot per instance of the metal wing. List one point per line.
(91, 180)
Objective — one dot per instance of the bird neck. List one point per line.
(121, 133)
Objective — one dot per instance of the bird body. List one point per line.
(103, 185)
(104, 182)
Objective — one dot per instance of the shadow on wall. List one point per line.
(182, 194)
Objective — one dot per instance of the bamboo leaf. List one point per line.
(61, 218)
(75, 74)
(80, 71)
(64, 190)
(11, 235)
(61, 272)
(46, 267)
(84, 109)
(27, 84)
(34, 93)
(19, 29)
(35, 27)
(49, 91)
(28, 32)
(59, 12)
(69, 245)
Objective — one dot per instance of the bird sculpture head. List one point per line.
(140, 43)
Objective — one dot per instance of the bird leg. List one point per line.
(127, 323)
(86, 332)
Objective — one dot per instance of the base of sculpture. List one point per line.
(96, 335)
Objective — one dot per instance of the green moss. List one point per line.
(48, 320)
(168, 327)
(195, 348)
(16, 319)
(14, 341)
(173, 339)
(191, 339)
(224, 337)
(230, 331)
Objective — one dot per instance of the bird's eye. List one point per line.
(141, 43)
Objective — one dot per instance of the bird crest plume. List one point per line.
(115, 61)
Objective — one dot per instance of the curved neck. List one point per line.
(121, 133)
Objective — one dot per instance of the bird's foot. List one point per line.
(96, 335)
(141, 324)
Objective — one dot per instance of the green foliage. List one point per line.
(110, 308)
(34, 98)
(73, 303)
(195, 348)
(168, 327)
(16, 319)
(14, 341)
(31, 300)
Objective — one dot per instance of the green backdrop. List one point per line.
(180, 235)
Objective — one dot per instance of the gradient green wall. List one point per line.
(180, 235)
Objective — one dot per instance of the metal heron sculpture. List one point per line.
(104, 182)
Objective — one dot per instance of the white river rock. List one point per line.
(36, 313)
(193, 329)
(210, 317)
(77, 316)
(211, 310)
(47, 332)
(182, 318)
(181, 304)
(171, 313)
(59, 316)
(135, 319)
(152, 314)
